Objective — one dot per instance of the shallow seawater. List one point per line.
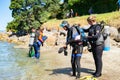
(16, 65)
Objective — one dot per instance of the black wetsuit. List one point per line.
(97, 47)
(76, 54)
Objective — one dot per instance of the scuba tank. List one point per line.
(31, 41)
(31, 48)
(83, 34)
(84, 39)
(107, 40)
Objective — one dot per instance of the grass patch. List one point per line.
(111, 19)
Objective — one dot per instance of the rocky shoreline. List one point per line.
(54, 38)
(23, 41)
(4, 36)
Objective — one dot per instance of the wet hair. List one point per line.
(41, 28)
(32, 28)
(74, 25)
(38, 28)
(91, 18)
(79, 24)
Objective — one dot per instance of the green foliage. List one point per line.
(72, 2)
(33, 13)
(44, 16)
(99, 6)
(36, 24)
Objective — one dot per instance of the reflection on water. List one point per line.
(14, 63)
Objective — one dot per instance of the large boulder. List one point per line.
(24, 39)
(51, 38)
(117, 38)
(54, 38)
(119, 30)
(50, 41)
(113, 32)
(114, 43)
(3, 36)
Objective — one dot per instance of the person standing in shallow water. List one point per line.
(97, 46)
(38, 41)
